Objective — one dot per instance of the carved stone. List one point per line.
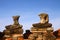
(15, 19)
(44, 21)
(16, 28)
(42, 29)
(44, 18)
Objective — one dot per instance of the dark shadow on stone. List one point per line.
(56, 34)
(1, 35)
(26, 35)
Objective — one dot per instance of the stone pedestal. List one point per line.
(40, 32)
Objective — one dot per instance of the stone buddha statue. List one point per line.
(15, 19)
(44, 21)
(16, 28)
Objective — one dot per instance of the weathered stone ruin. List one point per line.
(57, 34)
(39, 31)
(14, 31)
(42, 30)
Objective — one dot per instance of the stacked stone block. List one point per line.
(14, 31)
(42, 30)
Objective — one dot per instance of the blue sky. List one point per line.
(28, 11)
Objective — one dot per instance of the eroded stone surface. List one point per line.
(15, 28)
(44, 18)
(43, 29)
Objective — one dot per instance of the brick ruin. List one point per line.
(57, 34)
(39, 31)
